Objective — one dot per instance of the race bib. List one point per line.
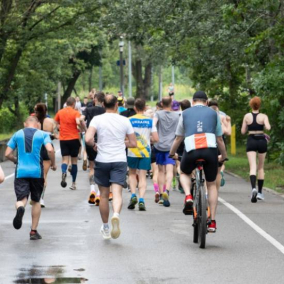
(200, 141)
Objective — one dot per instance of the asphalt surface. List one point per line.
(155, 246)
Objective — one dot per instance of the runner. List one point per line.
(255, 123)
(140, 158)
(201, 127)
(171, 90)
(47, 125)
(111, 165)
(89, 114)
(29, 175)
(130, 108)
(68, 120)
(166, 122)
(121, 107)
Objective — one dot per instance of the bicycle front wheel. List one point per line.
(202, 217)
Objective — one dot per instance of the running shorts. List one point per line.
(108, 173)
(91, 153)
(70, 147)
(44, 154)
(257, 143)
(26, 186)
(139, 163)
(210, 166)
(162, 158)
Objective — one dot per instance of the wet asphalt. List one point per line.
(154, 247)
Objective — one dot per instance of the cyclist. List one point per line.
(255, 123)
(201, 128)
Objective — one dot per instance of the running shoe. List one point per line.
(161, 200)
(17, 222)
(34, 235)
(115, 230)
(105, 233)
(110, 196)
(92, 198)
(253, 195)
(42, 204)
(97, 201)
(260, 196)
(157, 197)
(132, 202)
(63, 181)
(166, 199)
(142, 206)
(188, 202)
(73, 186)
(222, 179)
(84, 165)
(212, 227)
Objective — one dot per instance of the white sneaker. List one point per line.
(42, 203)
(105, 233)
(253, 195)
(260, 196)
(115, 230)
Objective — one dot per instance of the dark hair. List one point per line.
(255, 103)
(140, 104)
(213, 103)
(184, 104)
(110, 101)
(70, 101)
(85, 97)
(166, 102)
(40, 112)
(100, 97)
(159, 104)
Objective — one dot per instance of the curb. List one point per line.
(265, 188)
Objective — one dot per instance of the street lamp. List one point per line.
(121, 44)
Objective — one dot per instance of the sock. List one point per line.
(133, 195)
(64, 168)
(164, 188)
(156, 187)
(116, 215)
(252, 180)
(92, 188)
(260, 185)
(141, 200)
(105, 225)
(98, 192)
(74, 171)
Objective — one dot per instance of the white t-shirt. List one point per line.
(112, 129)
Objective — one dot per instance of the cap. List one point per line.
(200, 95)
(175, 105)
(130, 103)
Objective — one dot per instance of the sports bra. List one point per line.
(254, 126)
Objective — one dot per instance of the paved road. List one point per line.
(155, 246)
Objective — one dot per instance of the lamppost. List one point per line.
(121, 44)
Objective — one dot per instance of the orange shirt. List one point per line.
(68, 127)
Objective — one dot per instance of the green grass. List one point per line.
(4, 136)
(239, 165)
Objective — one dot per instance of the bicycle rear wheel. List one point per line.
(195, 209)
(202, 217)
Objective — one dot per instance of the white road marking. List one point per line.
(9, 176)
(279, 246)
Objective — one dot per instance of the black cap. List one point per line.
(200, 95)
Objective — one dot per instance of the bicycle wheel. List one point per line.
(202, 217)
(195, 206)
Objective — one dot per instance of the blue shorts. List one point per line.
(139, 163)
(162, 158)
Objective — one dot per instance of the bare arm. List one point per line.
(154, 137)
(51, 155)
(226, 125)
(244, 126)
(132, 142)
(9, 155)
(89, 137)
(176, 144)
(81, 123)
(266, 123)
(2, 176)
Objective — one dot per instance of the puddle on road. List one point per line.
(65, 280)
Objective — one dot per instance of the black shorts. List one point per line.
(91, 153)
(26, 186)
(257, 143)
(70, 147)
(153, 155)
(108, 173)
(210, 155)
(44, 154)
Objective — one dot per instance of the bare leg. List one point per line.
(155, 172)
(142, 183)
(161, 178)
(260, 168)
(22, 202)
(104, 203)
(218, 178)
(169, 175)
(36, 210)
(185, 181)
(212, 198)
(252, 162)
(117, 198)
(132, 180)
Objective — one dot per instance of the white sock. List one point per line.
(98, 192)
(116, 215)
(92, 188)
(105, 225)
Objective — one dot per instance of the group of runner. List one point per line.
(134, 140)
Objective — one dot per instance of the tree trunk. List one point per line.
(147, 80)
(71, 84)
(91, 78)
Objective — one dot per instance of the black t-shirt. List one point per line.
(129, 112)
(90, 112)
